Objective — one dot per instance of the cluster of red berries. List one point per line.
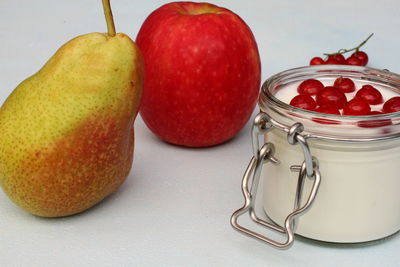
(314, 96)
(358, 58)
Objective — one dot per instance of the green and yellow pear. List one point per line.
(66, 133)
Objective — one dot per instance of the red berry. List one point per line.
(346, 85)
(356, 107)
(392, 105)
(331, 95)
(376, 112)
(303, 102)
(362, 56)
(317, 61)
(370, 94)
(375, 123)
(332, 61)
(339, 58)
(310, 87)
(353, 61)
(328, 109)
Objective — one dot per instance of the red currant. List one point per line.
(370, 94)
(332, 61)
(339, 58)
(328, 109)
(376, 112)
(353, 61)
(392, 105)
(317, 61)
(356, 107)
(303, 102)
(331, 95)
(375, 123)
(362, 56)
(310, 87)
(346, 85)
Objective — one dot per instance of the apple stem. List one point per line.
(109, 18)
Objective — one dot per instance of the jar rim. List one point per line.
(267, 100)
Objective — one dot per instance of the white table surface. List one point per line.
(175, 206)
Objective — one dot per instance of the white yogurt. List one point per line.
(359, 197)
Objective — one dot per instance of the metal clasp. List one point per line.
(251, 179)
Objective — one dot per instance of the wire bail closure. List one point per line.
(251, 179)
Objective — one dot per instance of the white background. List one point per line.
(175, 206)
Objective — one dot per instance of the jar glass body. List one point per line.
(357, 200)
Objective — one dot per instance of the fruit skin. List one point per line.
(355, 61)
(310, 87)
(328, 109)
(346, 85)
(331, 95)
(362, 56)
(356, 107)
(317, 61)
(370, 94)
(339, 58)
(303, 102)
(392, 105)
(332, 61)
(202, 73)
(66, 133)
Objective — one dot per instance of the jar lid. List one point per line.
(328, 126)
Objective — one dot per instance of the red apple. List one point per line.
(202, 73)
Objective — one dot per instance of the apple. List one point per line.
(202, 73)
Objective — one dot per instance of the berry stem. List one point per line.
(109, 18)
(342, 51)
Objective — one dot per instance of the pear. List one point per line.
(66, 133)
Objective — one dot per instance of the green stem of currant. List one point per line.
(343, 51)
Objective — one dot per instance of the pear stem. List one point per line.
(109, 18)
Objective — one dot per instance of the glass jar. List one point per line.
(351, 194)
